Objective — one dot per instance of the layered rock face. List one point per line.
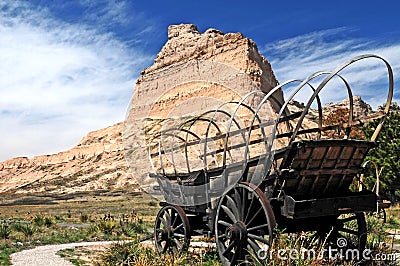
(96, 163)
(216, 58)
(186, 43)
(226, 67)
(193, 73)
(226, 61)
(360, 108)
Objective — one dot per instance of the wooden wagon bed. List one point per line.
(321, 175)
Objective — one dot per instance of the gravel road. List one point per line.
(46, 255)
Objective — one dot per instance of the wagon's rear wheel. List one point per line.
(346, 232)
(350, 231)
(244, 225)
(171, 230)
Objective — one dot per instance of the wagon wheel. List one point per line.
(244, 224)
(348, 232)
(171, 230)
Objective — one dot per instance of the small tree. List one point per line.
(387, 154)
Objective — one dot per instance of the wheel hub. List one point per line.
(236, 232)
(166, 233)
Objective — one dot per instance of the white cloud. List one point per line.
(300, 56)
(58, 80)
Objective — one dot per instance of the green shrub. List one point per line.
(38, 220)
(131, 229)
(84, 218)
(392, 220)
(131, 253)
(119, 254)
(5, 230)
(26, 229)
(48, 221)
(107, 226)
(94, 228)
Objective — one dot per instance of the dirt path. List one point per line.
(46, 255)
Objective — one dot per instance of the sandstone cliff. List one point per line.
(96, 163)
(232, 68)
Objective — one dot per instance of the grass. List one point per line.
(119, 216)
(83, 217)
(73, 207)
(70, 255)
(133, 253)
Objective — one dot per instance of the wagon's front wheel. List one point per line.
(171, 230)
(244, 225)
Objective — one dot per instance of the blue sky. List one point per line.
(69, 67)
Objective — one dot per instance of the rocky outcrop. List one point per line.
(360, 108)
(231, 67)
(186, 43)
(224, 56)
(227, 66)
(96, 163)
(193, 73)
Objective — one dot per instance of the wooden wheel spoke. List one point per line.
(259, 238)
(163, 222)
(233, 206)
(229, 247)
(253, 245)
(222, 236)
(179, 235)
(244, 202)
(178, 243)
(168, 217)
(175, 218)
(257, 227)
(229, 213)
(254, 216)
(224, 223)
(240, 203)
(178, 227)
(248, 209)
(350, 231)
